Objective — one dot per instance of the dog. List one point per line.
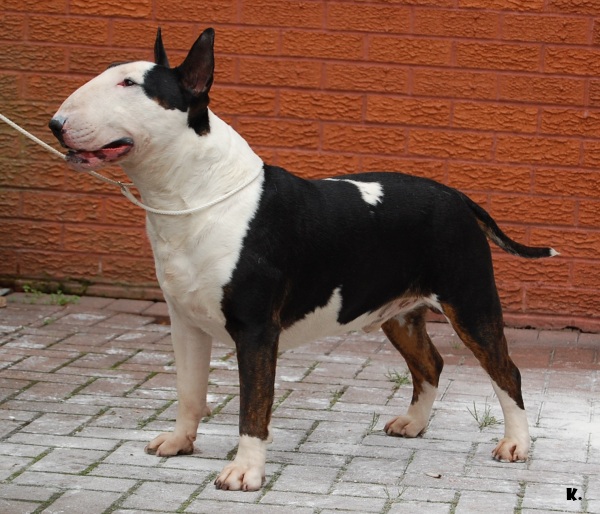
(286, 260)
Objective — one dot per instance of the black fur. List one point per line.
(310, 237)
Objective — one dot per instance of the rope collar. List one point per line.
(125, 187)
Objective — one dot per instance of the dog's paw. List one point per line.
(169, 444)
(510, 450)
(237, 477)
(405, 426)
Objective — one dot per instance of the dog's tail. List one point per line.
(493, 231)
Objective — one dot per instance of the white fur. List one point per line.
(415, 421)
(371, 192)
(247, 471)
(514, 446)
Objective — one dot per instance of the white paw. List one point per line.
(236, 477)
(169, 444)
(405, 426)
(247, 471)
(510, 449)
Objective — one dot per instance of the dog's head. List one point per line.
(114, 116)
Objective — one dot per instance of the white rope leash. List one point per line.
(125, 186)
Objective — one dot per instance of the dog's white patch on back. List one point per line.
(371, 192)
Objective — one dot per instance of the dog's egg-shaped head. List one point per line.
(132, 107)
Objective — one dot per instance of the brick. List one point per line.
(537, 150)
(465, 145)
(410, 50)
(365, 77)
(574, 122)
(317, 164)
(561, 299)
(12, 26)
(408, 111)
(572, 61)
(546, 29)
(129, 270)
(52, 29)
(9, 262)
(363, 139)
(61, 207)
(280, 133)
(58, 265)
(485, 177)
(579, 183)
(454, 84)
(516, 5)
(9, 86)
(320, 106)
(531, 209)
(132, 9)
(594, 93)
(51, 6)
(85, 238)
(207, 13)
(570, 243)
(457, 23)
(426, 3)
(589, 7)
(591, 153)
(283, 13)
(22, 57)
(498, 56)
(370, 18)
(544, 90)
(589, 213)
(28, 234)
(508, 268)
(585, 274)
(279, 72)
(243, 101)
(11, 203)
(48, 87)
(322, 45)
(495, 117)
(252, 41)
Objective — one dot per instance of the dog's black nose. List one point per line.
(56, 126)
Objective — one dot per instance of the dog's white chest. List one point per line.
(195, 258)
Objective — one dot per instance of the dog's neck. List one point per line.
(192, 170)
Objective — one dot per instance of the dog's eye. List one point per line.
(127, 83)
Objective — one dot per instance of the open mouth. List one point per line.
(109, 153)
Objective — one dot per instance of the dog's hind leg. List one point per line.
(409, 336)
(480, 327)
(192, 360)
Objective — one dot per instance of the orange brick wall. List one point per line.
(500, 98)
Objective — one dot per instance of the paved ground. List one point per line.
(83, 387)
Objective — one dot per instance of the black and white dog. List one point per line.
(286, 260)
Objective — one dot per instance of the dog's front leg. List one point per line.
(192, 361)
(257, 357)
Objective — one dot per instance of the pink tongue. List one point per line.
(105, 154)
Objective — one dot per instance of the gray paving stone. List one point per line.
(77, 501)
(81, 394)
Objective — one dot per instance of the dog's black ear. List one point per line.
(160, 54)
(197, 69)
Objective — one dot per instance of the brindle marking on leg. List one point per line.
(412, 341)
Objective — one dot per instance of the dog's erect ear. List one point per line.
(197, 69)
(160, 54)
